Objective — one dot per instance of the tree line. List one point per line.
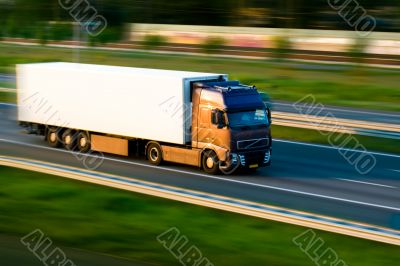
(29, 18)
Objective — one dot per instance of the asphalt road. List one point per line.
(342, 112)
(7, 78)
(305, 177)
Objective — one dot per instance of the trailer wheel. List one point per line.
(69, 139)
(154, 153)
(210, 162)
(83, 142)
(53, 137)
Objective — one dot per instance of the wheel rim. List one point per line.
(68, 139)
(83, 142)
(210, 162)
(53, 137)
(154, 154)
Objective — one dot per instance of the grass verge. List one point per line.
(8, 97)
(10, 85)
(125, 224)
(339, 85)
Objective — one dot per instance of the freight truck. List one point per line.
(198, 119)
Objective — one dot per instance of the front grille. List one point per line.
(253, 157)
(252, 144)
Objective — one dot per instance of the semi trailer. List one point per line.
(198, 119)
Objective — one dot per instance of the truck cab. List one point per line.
(231, 124)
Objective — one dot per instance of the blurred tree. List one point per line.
(19, 16)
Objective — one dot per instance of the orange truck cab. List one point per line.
(231, 121)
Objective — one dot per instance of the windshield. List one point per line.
(248, 118)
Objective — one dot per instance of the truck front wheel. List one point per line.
(154, 154)
(210, 162)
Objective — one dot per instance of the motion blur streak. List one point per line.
(213, 201)
(309, 169)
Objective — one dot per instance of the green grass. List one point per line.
(313, 136)
(8, 97)
(353, 86)
(8, 85)
(125, 224)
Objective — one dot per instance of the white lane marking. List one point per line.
(335, 148)
(366, 183)
(217, 178)
(263, 211)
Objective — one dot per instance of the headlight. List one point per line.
(242, 160)
(267, 157)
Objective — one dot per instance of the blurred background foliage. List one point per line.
(154, 41)
(213, 44)
(21, 18)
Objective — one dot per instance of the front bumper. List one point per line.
(248, 159)
(255, 159)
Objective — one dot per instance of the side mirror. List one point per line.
(269, 115)
(266, 99)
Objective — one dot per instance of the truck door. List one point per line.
(205, 133)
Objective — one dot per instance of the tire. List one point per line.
(154, 154)
(53, 137)
(210, 162)
(83, 142)
(69, 140)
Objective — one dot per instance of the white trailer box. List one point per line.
(133, 102)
